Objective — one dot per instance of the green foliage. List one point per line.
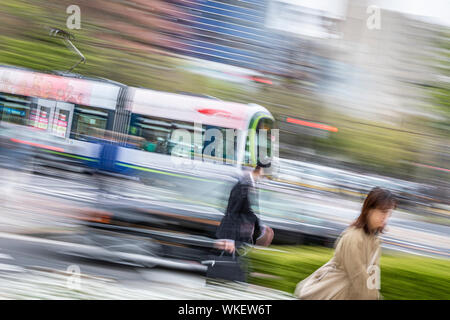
(439, 92)
(403, 277)
(375, 147)
(289, 268)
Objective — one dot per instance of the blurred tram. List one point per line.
(62, 108)
(75, 109)
(68, 118)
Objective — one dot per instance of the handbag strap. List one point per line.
(223, 251)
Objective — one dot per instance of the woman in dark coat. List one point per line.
(240, 225)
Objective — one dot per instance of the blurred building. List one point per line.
(269, 36)
(381, 72)
(384, 76)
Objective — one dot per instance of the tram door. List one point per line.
(54, 117)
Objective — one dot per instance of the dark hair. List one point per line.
(262, 165)
(377, 198)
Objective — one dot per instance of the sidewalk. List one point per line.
(158, 285)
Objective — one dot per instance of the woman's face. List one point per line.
(378, 218)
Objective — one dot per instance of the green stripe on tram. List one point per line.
(134, 167)
(71, 155)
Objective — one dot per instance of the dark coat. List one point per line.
(240, 223)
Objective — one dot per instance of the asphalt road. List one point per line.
(35, 268)
(41, 268)
(405, 232)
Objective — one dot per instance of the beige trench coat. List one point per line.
(350, 274)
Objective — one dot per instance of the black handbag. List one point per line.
(226, 267)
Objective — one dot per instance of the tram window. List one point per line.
(265, 126)
(254, 145)
(247, 156)
(86, 122)
(14, 109)
(226, 140)
(158, 135)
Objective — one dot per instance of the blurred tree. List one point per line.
(440, 90)
(438, 151)
(146, 25)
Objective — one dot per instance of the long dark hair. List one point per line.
(377, 198)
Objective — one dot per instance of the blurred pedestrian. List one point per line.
(353, 273)
(241, 225)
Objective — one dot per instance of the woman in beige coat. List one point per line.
(353, 273)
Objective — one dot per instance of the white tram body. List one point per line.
(69, 107)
